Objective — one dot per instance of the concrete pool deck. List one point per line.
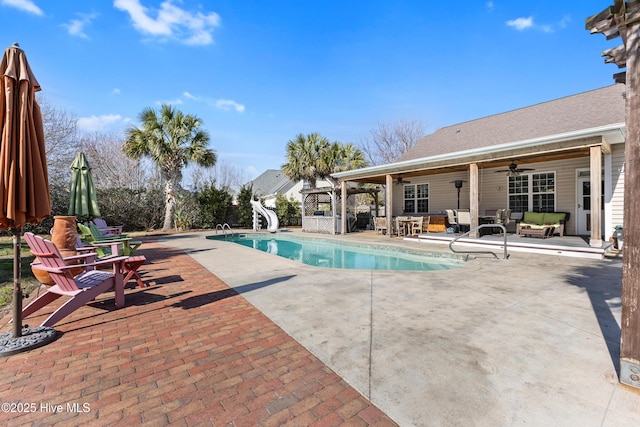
(532, 340)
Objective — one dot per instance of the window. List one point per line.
(536, 192)
(519, 193)
(544, 192)
(416, 198)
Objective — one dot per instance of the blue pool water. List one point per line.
(332, 254)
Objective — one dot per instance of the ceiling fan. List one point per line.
(401, 181)
(514, 170)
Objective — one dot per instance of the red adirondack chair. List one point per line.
(82, 288)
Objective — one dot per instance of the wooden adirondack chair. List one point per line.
(82, 288)
(99, 235)
(107, 230)
(95, 237)
(108, 250)
(128, 246)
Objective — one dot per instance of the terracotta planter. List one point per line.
(64, 235)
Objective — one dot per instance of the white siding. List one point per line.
(617, 181)
(493, 193)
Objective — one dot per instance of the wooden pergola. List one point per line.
(337, 220)
(623, 20)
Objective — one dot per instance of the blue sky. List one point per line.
(260, 72)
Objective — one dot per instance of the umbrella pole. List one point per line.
(17, 290)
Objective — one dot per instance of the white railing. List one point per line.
(504, 233)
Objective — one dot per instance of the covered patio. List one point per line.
(542, 158)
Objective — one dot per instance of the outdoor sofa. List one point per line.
(539, 220)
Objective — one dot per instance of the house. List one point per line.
(273, 183)
(568, 155)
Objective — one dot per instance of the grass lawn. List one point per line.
(28, 282)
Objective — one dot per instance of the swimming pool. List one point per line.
(320, 252)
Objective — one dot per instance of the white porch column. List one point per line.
(343, 198)
(388, 204)
(608, 196)
(595, 156)
(473, 197)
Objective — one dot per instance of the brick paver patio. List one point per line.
(187, 350)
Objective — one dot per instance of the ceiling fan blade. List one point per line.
(513, 167)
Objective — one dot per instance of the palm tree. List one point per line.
(313, 157)
(171, 140)
(344, 157)
(305, 158)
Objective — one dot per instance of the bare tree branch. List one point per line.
(223, 176)
(112, 168)
(61, 139)
(389, 142)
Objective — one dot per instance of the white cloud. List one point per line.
(227, 105)
(564, 21)
(221, 104)
(116, 91)
(76, 26)
(24, 5)
(546, 28)
(521, 24)
(171, 22)
(489, 5)
(102, 122)
(176, 101)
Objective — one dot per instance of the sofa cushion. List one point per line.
(532, 225)
(533, 217)
(553, 217)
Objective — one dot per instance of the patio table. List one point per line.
(131, 266)
(543, 232)
(406, 223)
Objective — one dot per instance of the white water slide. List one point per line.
(272, 218)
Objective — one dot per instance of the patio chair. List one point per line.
(110, 250)
(401, 225)
(506, 217)
(499, 214)
(464, 220)
(453, 222)
(129, 246)
(380, 224)
(425, 223)
(102, 250)
(86, 242)
(98, 234)
(107, 230)
(416, 225)
(82, 288)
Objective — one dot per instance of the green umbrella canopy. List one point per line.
(82, 198)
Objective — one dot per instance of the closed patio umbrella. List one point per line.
(24, 182)
(83, 200)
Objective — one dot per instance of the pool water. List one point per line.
(332, 254)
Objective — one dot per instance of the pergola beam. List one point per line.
(623, 19)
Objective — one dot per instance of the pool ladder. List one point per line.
(504, 233)
(223, 227)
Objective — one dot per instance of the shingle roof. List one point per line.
(586, 110)
(271, 181)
